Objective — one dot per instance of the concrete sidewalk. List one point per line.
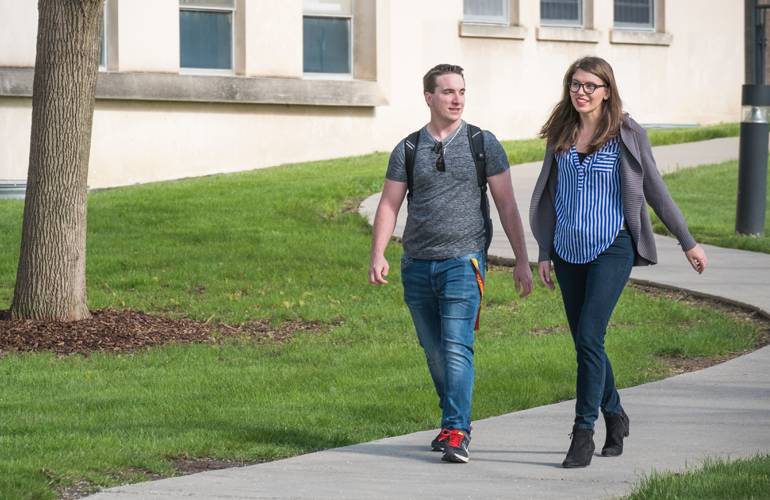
(722, 411)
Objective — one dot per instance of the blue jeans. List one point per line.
(590, 292)
(443, 297)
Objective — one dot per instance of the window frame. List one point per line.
(511, 29)
(565, 23)
(651, 26)
(315, 75)
(645, 36)
(504, 19)
(210, 71)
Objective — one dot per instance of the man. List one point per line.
(444, 245)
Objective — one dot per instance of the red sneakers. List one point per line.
(440, 441)
(456, 447)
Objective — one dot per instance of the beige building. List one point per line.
(194, 87)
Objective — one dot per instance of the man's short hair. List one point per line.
(429, 80)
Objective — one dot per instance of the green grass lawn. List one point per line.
(529, 150)
(280, 243)
(707, 197)
(665, 136)
(716, 480)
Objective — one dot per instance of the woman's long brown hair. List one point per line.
(560, 131)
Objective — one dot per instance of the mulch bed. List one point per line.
(115, 331)
(109, 330)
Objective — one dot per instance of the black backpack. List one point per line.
(476, 141)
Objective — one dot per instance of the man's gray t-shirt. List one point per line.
(444, 215)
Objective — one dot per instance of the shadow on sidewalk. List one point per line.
(421, 453)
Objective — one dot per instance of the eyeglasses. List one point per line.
(439, 148)
(588, 87)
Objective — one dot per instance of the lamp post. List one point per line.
(752, 162)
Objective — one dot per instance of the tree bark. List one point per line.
(51, 277)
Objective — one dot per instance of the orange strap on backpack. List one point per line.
(480, 282)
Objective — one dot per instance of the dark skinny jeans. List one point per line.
(590, 292)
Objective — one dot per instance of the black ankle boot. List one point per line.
(581, 450)
(617, 429)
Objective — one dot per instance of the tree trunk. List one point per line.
(51, 278)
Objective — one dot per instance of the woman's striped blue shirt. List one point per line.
(589, 209)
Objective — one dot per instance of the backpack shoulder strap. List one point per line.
(410, 151)
(476, 141)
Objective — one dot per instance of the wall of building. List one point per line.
(147, 36)
(18, 33)
(512, 83)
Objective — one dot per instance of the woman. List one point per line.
(589, 216)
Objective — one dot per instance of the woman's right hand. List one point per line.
(696, 256)
(544, 270)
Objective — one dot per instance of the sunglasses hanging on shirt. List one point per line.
(438, 148)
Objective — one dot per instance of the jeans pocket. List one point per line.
(405, 261)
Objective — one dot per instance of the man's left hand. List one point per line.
(522, 277)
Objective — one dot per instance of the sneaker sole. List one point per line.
(455, 459)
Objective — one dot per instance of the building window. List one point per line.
(486, 11)
(561, 12)
(206, 34)
(326, 36)
(635, 14)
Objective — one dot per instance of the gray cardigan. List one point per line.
(640, 182)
